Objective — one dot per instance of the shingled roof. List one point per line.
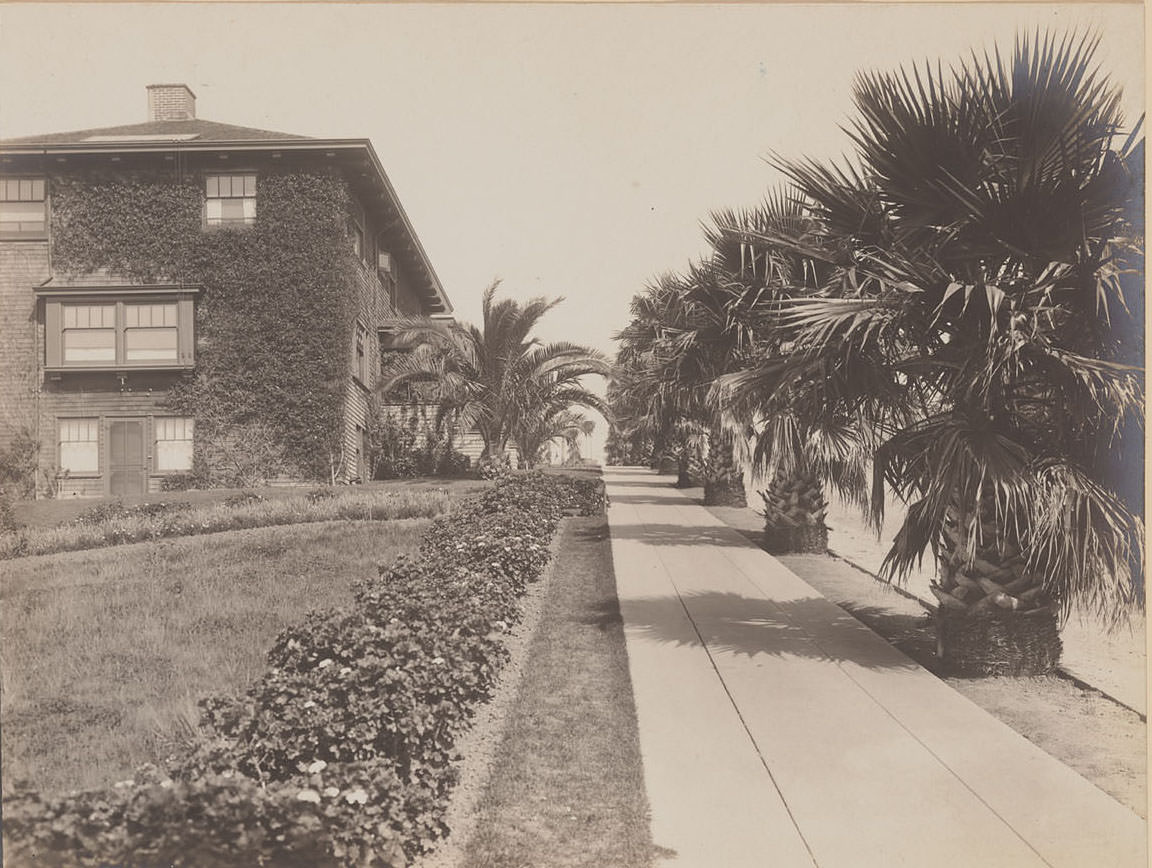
(194, 129)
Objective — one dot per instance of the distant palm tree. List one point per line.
(549, 415)
(650, 401)
(800, 444)
(987, 250)
(497, 378)
(577, 426)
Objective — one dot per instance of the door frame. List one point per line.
(146, 432)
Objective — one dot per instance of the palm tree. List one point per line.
(626, 444)
(801, 445)
(546, 414)
(496, 379)
(649, 400)
(571, 430)
(687, 330)
(987, 248)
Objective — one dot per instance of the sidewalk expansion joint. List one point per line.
(876, 701)
(736, 707)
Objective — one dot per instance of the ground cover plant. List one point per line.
(340, 754)
(115, 523)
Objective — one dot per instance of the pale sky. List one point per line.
(569, 149)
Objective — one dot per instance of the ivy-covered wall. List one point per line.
(274, 320)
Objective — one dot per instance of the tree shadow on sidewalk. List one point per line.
(652, 498)
(677, 534)
(809, 627)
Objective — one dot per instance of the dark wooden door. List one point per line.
(127, 465)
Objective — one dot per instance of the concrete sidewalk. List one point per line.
(776, 730)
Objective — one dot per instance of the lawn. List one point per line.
(106, 652)
(567, 784)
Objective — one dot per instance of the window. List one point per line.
(156, 333)
(231, 200)
(89, 333)
(386, 270)
(357, 240)
(79, 446)
(151, 332)
(361, 354)
(173, 450)
(23, 208)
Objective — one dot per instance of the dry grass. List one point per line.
(567, 786)
(203, 516)
(105, 653)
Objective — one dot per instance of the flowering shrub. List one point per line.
(494, 467)
(116, 509)
(244, 498)
(341, 753)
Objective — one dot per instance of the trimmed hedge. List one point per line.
(341, 753)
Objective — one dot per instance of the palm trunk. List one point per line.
(794, 511)
(994, 617)
(723, 481)
(684, 470)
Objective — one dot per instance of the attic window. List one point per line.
(231, 200)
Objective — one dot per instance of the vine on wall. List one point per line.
(274, 318)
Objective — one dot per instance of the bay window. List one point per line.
(94, 333)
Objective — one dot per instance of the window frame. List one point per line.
(56, 303)
(221, 224)
(189, 429)
(96, 442)
(387, 278)
(40, 234)
(361, 365)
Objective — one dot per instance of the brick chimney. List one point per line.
(171, 102)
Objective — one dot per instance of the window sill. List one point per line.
(23, 236)
(228, 227)
(114, 369)
(66, 477)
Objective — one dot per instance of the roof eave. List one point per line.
(433, 278)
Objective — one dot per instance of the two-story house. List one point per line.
(184, 297)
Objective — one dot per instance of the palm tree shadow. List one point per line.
(809, 627)
(677, 499)
(674, 534)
